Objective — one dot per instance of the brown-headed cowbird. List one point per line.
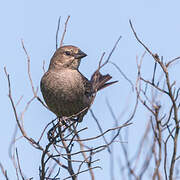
(65, 90)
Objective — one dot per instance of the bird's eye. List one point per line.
(67, 53)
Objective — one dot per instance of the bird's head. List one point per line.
(67, 57)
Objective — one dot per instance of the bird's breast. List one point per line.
(66, 84)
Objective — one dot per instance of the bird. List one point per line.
(66, 91)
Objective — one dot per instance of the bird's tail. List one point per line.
(100, 81)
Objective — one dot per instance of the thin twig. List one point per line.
(57, 32)
(29, 72)
(65, 28)
(110, 54)
(123, 74)
(82, 172)
(19, 167)
(4, 172)
(100, 128)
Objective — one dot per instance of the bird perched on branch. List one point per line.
(66, 91)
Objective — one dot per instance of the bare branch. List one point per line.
(65, 28)
(172, 61)
(19, 167)
(100, 128)
(121, 72)
(4, 172)
(57, 32)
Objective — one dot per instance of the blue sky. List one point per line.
(94, 26)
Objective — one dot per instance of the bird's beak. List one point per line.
(80, 55)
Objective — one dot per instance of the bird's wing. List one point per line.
(87, 86)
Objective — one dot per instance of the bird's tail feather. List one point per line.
(99, 81)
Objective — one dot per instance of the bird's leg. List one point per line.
(74, 119)
(62, 121)
(54, 131)
(78, 117)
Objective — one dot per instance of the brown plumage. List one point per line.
(65, 90)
